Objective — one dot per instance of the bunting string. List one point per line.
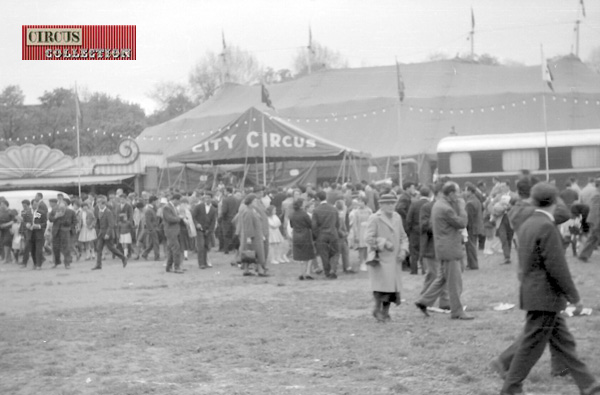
(413, 109)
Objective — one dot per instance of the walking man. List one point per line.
(546, 287)
(64, 222)
(106, 233)
(151, 229)
(448, 218)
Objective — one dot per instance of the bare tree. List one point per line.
(11, 111)
(232, 65)
(593, 60)
(320, 57)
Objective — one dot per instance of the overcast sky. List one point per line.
(173, 35)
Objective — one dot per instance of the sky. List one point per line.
(173, 35)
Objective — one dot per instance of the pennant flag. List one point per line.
(264, 96)
(77, 107)
(223, 38)
(582, 7)
(473, 19)
(310, 46)
(400, 82)
(546, 73)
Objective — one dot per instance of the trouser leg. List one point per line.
(413, 246)
(201, 249)
(591, 243)
(454, 277)
(538, 329)
(563, 345)
(472, 262)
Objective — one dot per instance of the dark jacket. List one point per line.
(546, 283)
(67, 221)
(475, 216)
(171, 220)
(206, 221)
(150, 219)
(447, 220)
(106, 223)
(325, 221)
(412, 218)
(427, 247)
(229, 207)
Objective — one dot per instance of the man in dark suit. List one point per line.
(326, 230)
(229, 208)
(545, 288)
(151, 229)
(25, 230)
(205, 217)
(64, 222)
(38, 228)
(413, 228)
(106, 233)
(474, 224)
(171, 220)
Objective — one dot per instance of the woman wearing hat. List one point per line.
(387, 241)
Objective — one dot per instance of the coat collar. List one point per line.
(384, 218)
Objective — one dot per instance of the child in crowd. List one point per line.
(275, 238)
(125, 233)
(17, 237)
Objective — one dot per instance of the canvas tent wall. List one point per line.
(359, 107)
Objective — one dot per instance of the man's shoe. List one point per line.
(332, 276)
(423, 308)
(203, 267)
(463, 318)
(124, 262)
(178, 271)
(497, 367)
(582, 259)
(67, 266)
(56, 265)
(97, 268)
(168, 269)
(349, 271)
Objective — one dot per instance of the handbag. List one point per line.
(248, 256)
(372, 258)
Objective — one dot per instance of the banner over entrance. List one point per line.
(256, 137)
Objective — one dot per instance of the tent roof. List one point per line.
(242, 140)
(359, 107)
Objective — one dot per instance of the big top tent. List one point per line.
(257, 136)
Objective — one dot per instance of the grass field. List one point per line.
(140, 330)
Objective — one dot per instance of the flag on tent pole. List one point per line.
(400, 82)
(310, 46)
(265, 97)
(546, 73)
(582, 7)
(473, 19)
(77, 107)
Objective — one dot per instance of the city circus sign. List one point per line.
(253, 140)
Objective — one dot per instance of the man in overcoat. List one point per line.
(326, 231)
(448, 218)
(545, 288)
(64, 222)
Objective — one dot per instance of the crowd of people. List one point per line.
(436, 230)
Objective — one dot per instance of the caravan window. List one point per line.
(516, 160)
(460, 162)
(583, 157)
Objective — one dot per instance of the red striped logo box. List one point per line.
(78, 42)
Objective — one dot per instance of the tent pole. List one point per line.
(184, 176)
(400, 178)
(214, 185)
(168, 176)
(264, 143)
(387, 167)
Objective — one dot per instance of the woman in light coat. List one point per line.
(388, 244)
